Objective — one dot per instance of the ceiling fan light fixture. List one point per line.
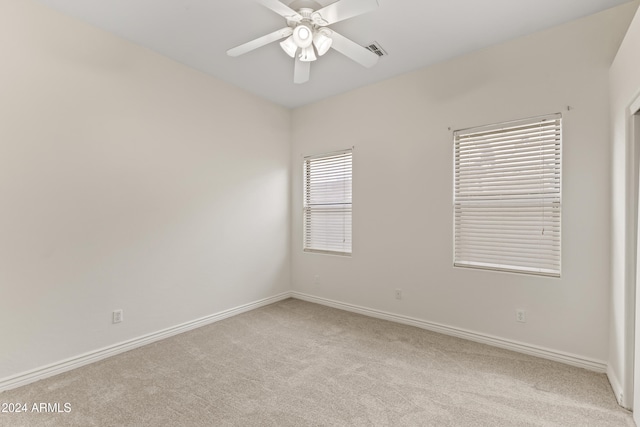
(303, 36)
(322, 42)
(307, 36)
(308, 54)
(289, 46)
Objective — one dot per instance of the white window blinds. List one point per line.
(507, 204)
(327, 203)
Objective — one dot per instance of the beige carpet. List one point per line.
(296, 364)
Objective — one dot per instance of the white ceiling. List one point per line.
(415, 33)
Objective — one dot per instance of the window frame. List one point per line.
(490, 231)
(325, 239)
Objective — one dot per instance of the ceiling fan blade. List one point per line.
(301, 71)
(281, 9)
(343, 9)
(260, 41)
(353, 50)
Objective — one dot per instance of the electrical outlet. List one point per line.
(521, 316)
(316, 279)
(398, 293)
(118, 316)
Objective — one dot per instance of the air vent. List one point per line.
(377, 49)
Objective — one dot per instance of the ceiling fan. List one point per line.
(307, 36)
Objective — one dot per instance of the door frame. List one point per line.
(633, 260)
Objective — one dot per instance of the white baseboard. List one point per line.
(532, 350)
(618, 391)
(96, 355)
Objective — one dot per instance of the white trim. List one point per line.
(96, 355)
(628, 388)
(532, 350)
(617, 388)
(628, 399)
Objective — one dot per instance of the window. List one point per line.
(327, 203)
(507, 205)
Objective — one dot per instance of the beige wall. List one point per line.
(402, 226)
(625, 88)
(127, 181)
